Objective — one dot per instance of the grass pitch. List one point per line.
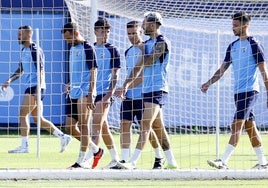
(191, 151)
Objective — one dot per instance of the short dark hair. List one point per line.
(242, 16)
(102, 23)
(154, 17)
(132, 24)
(27, 28)
(70, 27)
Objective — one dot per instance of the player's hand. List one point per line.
(204, 87)
(120, 92)
(5, 85)
(67, 88)
(90, 102)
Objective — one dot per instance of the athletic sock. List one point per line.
(158, 153)
(81, 157)
(24, 141)
(125, 154)
(170, 157)
(227, 154)
(58, 133)
(260, 155)
(114, 154)
(135, 157)
(94, 147)
(89, 154)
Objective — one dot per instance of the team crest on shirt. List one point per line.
(244, 49)
(78, 53)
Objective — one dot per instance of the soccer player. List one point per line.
(246, 55)
(28, 69)
(132, 105)
(108, 61)
(81, 91)
(154, 64)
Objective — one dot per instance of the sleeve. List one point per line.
(228, 54)
(90, 56)
(34, 54)
(257, 51)
(115, 58)
(160, 38)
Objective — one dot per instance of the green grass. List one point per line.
(191, 151)
(136, 183)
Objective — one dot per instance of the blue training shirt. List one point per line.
(155, 76)
(132, 55)
(28, 61)
(245, 56)
(82, 60)
(108, 58)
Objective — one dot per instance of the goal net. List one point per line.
(200, 32)
(198, 124)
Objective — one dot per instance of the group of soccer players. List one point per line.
(93, 75)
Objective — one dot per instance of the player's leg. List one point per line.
(72, 127)
(71, 120)
(97, 122)
(149, 114)
(51, 128)
(108, 138)
(126, 117)
(244, 103)
(253, 133)
(83, 118)
(46, 124)
(78, 120)
(236, 130)
(256, 142)
(125, 139)
(28, 104)
(137, 111)
(162, 135)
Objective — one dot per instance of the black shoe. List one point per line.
(75, 165)
(122, 161)
(158, 163)
(119, 166)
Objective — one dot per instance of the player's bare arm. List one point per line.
(217, 75)
(134, 78)
(115, 74)
(136, 71)
(137, 81)
(155, 54)
(264, 73)
(92, 88)
(13, 77)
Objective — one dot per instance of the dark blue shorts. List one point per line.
(32, 91)
(156, 97)
(99, 98)
(244, 103)
(71, 109)
(131, 108)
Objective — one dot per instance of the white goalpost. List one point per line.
(39, 110)
(198, 124)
